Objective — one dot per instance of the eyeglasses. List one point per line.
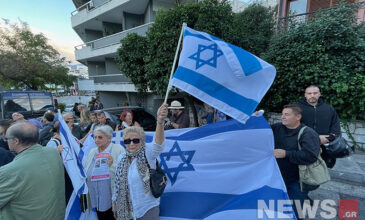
(135, 141)
(98, 137)
(8, 138)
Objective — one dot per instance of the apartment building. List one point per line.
(302, 7)
(101, 24)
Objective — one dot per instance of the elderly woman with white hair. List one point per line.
(132, 197)
(100, 180)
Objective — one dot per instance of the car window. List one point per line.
(40, 101)
(146, 120)
(17, 102)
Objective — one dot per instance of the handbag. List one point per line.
(315, 173)
(158, 180)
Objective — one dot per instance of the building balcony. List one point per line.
(110, 78)
(115, 87)
(107, 10)
(107, 46)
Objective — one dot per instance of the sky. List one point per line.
(50, 17)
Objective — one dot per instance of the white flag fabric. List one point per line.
(88, 144)
(222, 75)
(72, 156)
(221, 171)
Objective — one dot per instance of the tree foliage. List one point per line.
(27, 60)
(130, 59)
(327, 51)
(253, 28)
(148, 60)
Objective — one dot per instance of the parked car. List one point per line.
(31, 104)
(69, 108)
(145, 119)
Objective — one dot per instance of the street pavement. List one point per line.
(347, 182)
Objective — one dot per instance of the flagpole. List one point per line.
(174, 63)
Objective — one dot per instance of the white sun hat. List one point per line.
(175, 105)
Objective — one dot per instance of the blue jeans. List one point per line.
(295, 193)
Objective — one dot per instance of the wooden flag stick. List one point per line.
(174, 63)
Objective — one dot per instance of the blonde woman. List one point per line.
(132, 197)
(85, 122)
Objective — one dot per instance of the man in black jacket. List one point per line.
(320, 117)
(287, 153)
(75, 129)
(46, 133)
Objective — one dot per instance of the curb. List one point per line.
(350, 178)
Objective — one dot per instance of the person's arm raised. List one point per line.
(161, 115)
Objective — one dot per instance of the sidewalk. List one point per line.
(350, 170)
(347, 182)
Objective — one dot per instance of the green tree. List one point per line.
(209, 16)
(27, 60)
(253, 28)
(327, 51)
(148, 60)
(130, 59)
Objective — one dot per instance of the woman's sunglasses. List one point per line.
(135, 141)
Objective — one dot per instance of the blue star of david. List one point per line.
(211, 61)
(67, 154)
(185, 157)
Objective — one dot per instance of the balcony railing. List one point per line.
(114, 38)
(284, 22)
(89, 6)
(110, 78)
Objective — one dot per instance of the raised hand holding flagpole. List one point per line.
(174, 63)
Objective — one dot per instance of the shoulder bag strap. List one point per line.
(300, 135)
(148, 165)
(299, 147)
(57, 141)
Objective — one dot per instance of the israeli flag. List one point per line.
(222, 75)
(88, 145)
(72, 156)
(225, 170)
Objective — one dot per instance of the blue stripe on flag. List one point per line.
(220, 127)
(75, 211)
(81, 154)
(197, 205)
(220, 92)
(188, 33)
(249, 63)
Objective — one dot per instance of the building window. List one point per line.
(298, 6)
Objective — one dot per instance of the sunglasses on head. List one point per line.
(135, 141)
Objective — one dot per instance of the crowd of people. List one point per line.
(34, 182)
